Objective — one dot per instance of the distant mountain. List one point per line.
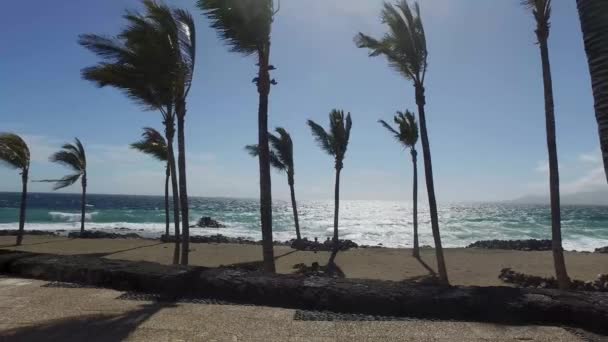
(580, 198)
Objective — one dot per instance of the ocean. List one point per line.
(584, 228)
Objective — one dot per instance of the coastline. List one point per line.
(467, 266)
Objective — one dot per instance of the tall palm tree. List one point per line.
(594, 23)
(541, 9)
(15, 154)
(405, 48)
(245, 26)
(73, 156)
(281, 158)
(153, 143)
(334, 142)
(407, 135)
(152, 62)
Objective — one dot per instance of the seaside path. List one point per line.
(34, 310)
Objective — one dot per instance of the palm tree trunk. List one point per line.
(294, 207)
(556, 230)
(264, 161)
(594, 24)
(24, 177)
(169, 131)
(83, 202)
(183, 189)
(416, 252)
(167, 176)
(336, 240)
(430, 185)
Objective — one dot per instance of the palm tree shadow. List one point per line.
(257, 265)
(34, 244)
(430, 278)
(107, 254)
(426, 266)
(96, 327)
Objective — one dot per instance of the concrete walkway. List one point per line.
(33, 310)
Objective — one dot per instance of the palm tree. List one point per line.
(152, 62)
(73, 156)
(281, 158)
(15, 154)
(153, 143)
(405, 48)
(541, 9)
(594, 23)
(407, 135)
(245, 26)
(334, 143)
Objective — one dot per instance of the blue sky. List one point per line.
(484, 93)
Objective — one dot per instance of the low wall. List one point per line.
(587, 310)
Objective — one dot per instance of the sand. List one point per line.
(465, 266)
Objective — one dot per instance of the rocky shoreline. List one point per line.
(303, 245)
(600, 284)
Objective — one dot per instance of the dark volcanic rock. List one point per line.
(602, 250)
(520, 245)
(588, 310)
(218, 238)
(306, 245)
(524, 280)
(96, 234)
(10, 232)
(208, 222)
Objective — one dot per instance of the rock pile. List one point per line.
(602, 250)
(524, 280)
(519, 245)
(218, 238)
(307, 245)
(208, 222)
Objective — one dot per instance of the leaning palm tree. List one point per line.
(245, 26)
(281, 158)
(15, 154)
(407, 135)
(334, 143)
(594, 23)
(153, 143)
(152, 62)
(73, 156)
(541, 9)
(405, 48)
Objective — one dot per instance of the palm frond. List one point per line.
(73, 156)
(322, 138)
(541, 9)
(244, 25)
(404, 45)
(282, 145)
(253, 150)
(275, 161)
(14, 152)
(63, 182)
(407, 133)
(152, 143)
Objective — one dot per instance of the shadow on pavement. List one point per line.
(97, 327)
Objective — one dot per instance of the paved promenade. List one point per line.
(33, 310)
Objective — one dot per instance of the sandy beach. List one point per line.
(465, 266)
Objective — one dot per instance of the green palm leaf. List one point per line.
(334, 143)
(407, 128)
(152, 143)
(72, 156)
(244, 25)
(404, 45)
(14, 152)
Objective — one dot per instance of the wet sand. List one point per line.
(465, 266)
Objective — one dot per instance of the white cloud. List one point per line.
(592, 157)
(593, 180)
